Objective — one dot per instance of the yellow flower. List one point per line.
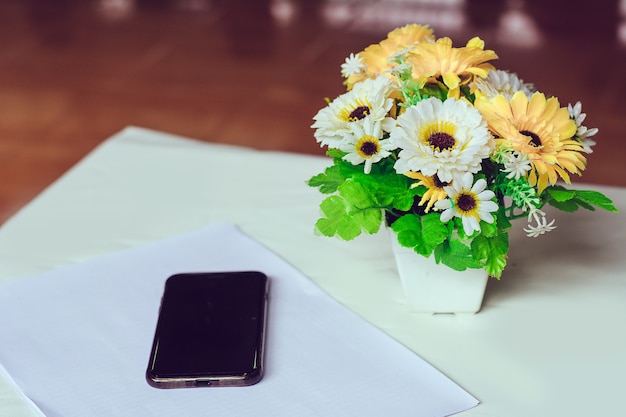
(539, 128)
(434, 185)
(376, 56)
(439, 62)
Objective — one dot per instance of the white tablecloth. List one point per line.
(548, 341)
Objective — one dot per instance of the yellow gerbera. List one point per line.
(434, 185)
(376, 56)
(539, 128)
(439, 62)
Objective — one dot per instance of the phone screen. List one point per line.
(210, 330)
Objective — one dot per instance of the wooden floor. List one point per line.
(73, 72)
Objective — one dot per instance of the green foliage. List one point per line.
(360, 198)
(358, 201)
(349, 213)
(328, 181)
(492, 251)
(456, 255)
(338, 220)
(571, 200)
(422, 233)
(427, 235)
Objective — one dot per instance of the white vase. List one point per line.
(435, 288)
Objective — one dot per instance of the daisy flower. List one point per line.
(471, 203)
(502, 82)
(583, 134)
(365, 144)
(368, 99)
(353, 66)
(539, 128)
(434, 188)
(438, 62)
(376, 57)
(441, 138)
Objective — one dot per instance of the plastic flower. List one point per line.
(516, 165)
(502, 82)
(376, 57)
(439, 62)
(471, 203)
(583, 134)
(441, 138)
(434, 188)
(542, 226)
(452, 139)
(368, 99)
(539, 128)
(353, 65)
(365, 145)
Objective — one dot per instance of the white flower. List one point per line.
(353, 65)
(516, 164)
(367, 99)
(365, 144)
(472, 203)
(441, 138)
(503, 82)
(542, 226)
(400, 69)
(399, 56)
(582, 133)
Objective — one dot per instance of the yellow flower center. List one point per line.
(439, 135)
(367, 146)
(357, 111)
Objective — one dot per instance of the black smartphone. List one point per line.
(210, 330)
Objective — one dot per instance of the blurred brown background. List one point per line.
(74, 72)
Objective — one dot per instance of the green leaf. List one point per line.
(572, 200)
(562, 195)
(434, 231)
(335, 153)
(356, 195)
(329, 181)
(496, 265)
(369, 220)
(567, 206)
(597, 199)
(395, 192)
(502, 220)
(493, 251)
(488, 229)
(337, 220)
(456, 255)
(480, 247)
(361, 206)
(422, 233)
(390, 190)
(349, 213)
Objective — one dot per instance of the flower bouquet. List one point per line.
(435, 142)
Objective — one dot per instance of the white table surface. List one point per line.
(549, 340)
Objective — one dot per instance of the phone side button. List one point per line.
(203, 383)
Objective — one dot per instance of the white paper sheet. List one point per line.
(13, 399)
(76, 340)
